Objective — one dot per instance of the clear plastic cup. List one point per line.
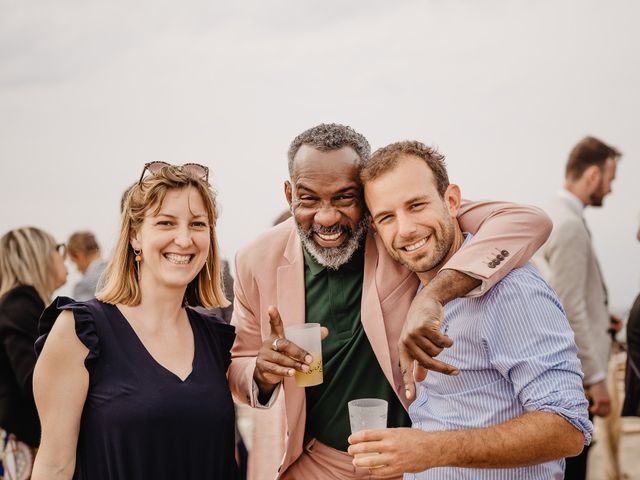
(367, 414)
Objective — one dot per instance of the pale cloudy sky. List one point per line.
(91, 90)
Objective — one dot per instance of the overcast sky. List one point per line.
(91, 90)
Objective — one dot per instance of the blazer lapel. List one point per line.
(371, 313)
(291, 305)
(290, 287)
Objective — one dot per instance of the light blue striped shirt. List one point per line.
(516, 354)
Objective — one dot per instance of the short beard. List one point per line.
(596, 198)
(335, 257)
(440, 251)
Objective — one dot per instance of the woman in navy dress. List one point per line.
(132, 385)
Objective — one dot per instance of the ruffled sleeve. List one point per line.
(226, 334)
(84, 323)
(223, 333)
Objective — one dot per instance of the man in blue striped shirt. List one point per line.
(517, 406)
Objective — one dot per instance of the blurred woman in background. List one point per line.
(132, 384)
(31, 268)
(631, 405)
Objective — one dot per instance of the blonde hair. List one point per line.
(26, 259)
(121, 284)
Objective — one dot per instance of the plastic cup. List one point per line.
(307, 336)
(367, 414)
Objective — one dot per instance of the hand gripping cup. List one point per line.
(307, 336)
(367, 414)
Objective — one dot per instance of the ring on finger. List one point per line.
(274, 345)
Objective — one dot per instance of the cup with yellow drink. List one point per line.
(307, 336)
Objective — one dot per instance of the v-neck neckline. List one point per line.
(151, 357)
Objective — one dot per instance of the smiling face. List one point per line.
(326, 200)
(417, 226)
(174, 239)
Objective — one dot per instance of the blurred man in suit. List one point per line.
(569, 263)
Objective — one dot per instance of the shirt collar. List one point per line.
(573, 201)
(355, 263)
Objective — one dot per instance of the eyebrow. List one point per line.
(302, 186)
(168, 215)
(419, 198)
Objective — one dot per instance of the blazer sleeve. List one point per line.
(18, 336)
(498, 227)
(569, 260)
(248, 339)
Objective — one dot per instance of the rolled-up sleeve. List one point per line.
(530, 342)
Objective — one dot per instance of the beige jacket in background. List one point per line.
(569, 263)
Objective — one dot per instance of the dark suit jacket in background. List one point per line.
(20, 309)
(632, 375)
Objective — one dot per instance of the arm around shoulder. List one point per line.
(498, 227)
(60, 385)
(506, 236)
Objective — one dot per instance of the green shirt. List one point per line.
(351, 370)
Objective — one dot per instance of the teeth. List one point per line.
(415, 246)
(179, 259)
(330, 237)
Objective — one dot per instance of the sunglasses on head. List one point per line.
(193, 168)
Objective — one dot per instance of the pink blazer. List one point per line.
(270, 271)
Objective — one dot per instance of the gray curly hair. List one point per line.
(328, 137)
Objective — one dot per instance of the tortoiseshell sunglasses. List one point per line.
(194, 168)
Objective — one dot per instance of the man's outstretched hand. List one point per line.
(421, 339)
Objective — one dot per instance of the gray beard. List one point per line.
(335, 257)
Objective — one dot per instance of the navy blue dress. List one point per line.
(140, 421)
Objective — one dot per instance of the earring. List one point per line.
(138, 259)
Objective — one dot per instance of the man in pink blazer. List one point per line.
(325, 265)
